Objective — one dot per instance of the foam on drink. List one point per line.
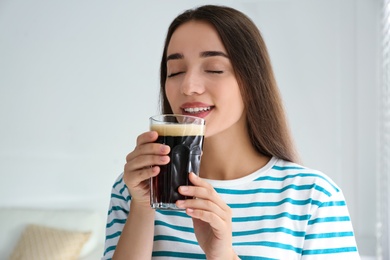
(178, 129)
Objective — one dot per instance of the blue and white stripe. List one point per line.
(282, 211)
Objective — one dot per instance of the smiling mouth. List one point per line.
(194, 110)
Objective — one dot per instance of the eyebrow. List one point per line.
(204, 54)
(175, 56)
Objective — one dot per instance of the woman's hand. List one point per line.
(211, 216)
(142, 163)
(136, 239)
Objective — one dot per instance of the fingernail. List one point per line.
(179, 203)
(164, 148)
(183, 188)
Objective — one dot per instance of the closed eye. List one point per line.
(215, 71)
(175, 74)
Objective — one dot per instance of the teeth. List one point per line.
(196, 109)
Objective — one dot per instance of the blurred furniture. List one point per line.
(82, 231)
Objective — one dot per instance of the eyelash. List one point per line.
(209, 71)
(215, 71)
(174, 74)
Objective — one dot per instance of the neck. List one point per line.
(230, 155)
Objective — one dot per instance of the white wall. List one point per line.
(79, 79)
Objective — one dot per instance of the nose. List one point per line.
(192, 84)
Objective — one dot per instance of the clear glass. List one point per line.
(184, 135)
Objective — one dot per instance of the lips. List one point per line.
(196, 109)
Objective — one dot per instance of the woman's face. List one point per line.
(200, 78)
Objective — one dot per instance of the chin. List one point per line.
(210, 132)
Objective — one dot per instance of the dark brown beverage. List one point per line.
(186, 142)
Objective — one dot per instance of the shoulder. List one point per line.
(304, 178)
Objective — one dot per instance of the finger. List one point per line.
(219, 226)
(145, 161)
(148, 148)
(147, 137)
(197, 181)
(203, 205)
(202, 190)
(134, 178)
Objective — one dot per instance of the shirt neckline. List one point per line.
(246, 179)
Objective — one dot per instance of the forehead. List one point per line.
(195, 36)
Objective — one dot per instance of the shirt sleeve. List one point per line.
(329, 234)
(116, 216)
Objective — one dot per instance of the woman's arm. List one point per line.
(329, 233)
(136, 240)
(130, 230)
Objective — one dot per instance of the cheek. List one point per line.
(239, 100)
(233, 100)
(234, 106)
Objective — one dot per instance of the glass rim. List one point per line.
(161, 116)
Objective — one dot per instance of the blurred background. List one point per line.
(79, 79)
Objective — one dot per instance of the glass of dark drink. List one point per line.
(184, 135)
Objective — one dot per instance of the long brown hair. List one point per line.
(266, 120)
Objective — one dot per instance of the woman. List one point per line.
(252, 200)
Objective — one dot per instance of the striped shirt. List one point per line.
(281, 211)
